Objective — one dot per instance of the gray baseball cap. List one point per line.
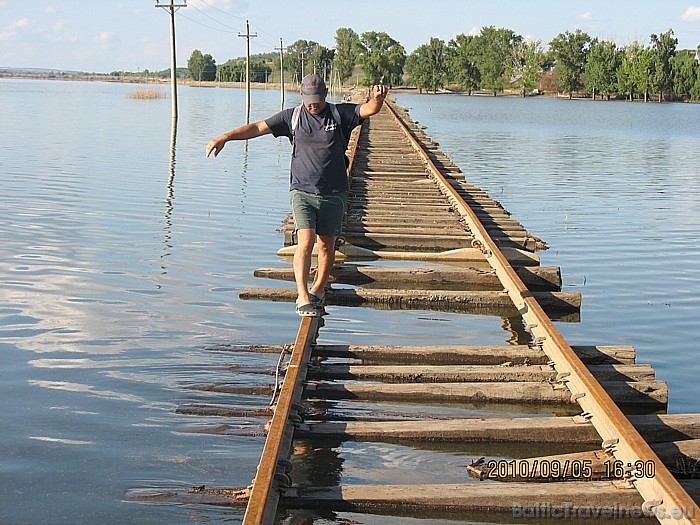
(313, 89)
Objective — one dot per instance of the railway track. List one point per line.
(409, 203)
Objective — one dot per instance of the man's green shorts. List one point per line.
(323, 213)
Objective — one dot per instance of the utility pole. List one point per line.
(247, 37)
(281, 49)
(173, 68)
(303, 56)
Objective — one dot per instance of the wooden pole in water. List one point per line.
(173, 68)
(281, 49)
(247, 37)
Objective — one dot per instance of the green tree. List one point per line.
(695, 90)
(604, 60)
(345, 52)
(382, 58)
(528, 59)
(321, 60)
(201, 67)
(230, 71)
(685, 73)
(570, 51)
(644, 71)
(298, 58)
(462, 56)
(426, 66)
(234, 71)
(664, 49)
(628, 77)
(495, 50)
(260, 71)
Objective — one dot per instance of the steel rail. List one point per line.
(663, 495)
(265, 493)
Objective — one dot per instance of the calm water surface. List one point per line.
(613, 188)
(121, 260)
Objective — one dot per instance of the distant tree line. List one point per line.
(499, 59)
(494, 61)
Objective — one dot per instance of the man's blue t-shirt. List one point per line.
(318, 162)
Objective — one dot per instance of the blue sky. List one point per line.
(101, 36)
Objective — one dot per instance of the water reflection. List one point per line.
(86, 389)
(517, 329)
(169, 199)
(316, 463)
(244, 172)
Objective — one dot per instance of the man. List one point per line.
(318, 179)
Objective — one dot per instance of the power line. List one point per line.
(222, 11)
(266, 33)
(204, 25)
(271, 43)
(214, 19)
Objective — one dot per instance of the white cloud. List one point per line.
(475, 31)
(586, 16)
(51, 10)
(105, 37)
(21, 23)
(6, 36)
(692, 14)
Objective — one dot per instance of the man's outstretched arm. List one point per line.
(249, 131)
(376, 99)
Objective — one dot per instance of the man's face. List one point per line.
(316, 107)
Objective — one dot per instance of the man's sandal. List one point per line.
(308, 310)
(315, 299)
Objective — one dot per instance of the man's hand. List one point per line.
(215, 145)
(379, 92)
(249, 131)
(374, 103)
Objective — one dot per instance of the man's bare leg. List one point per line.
(302, 263)
(326, 259)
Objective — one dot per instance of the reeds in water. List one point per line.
(146, 94)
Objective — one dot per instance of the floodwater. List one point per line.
(123, 250)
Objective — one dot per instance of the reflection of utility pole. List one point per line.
(173, 68)
(247, 37)
(244, 170)
(169, 200)
(332, 78)
(282, 49)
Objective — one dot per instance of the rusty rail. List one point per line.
(271, 470)
(662, 493)
(266, 486)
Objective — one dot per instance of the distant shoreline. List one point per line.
(293, 86)
(288, 86)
